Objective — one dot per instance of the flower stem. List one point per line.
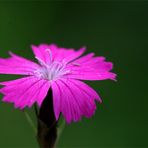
(30, 121)
(47, 124)
(60, 130)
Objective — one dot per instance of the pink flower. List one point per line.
(61, 70)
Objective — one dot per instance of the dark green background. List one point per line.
(116, 30)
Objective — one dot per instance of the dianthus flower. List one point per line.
(60, 70)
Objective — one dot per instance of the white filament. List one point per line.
(52, 70)
(50, 53)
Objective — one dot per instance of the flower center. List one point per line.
(52, 70)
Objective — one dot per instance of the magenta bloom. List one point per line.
(61, 70)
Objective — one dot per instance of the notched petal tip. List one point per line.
(99, 100)
(83, 48)
(113, 77)
(2, 83)
(1, 91)
(33, 46)
(10, 53)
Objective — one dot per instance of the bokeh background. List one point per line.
(116, 30)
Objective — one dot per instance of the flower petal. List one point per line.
(68, 106)
(46, 53)
(17, 65)
(43, 92)
(56, 99)
(24, 92)
(74, 55)
(72, 100)
(86, 89)
(41, 52)
(90, 68)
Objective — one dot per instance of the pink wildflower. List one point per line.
(61, 70)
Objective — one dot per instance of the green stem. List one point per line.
(30, 121)
(60, 130)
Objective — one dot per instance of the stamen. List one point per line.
(50, 54)
(42, 62)
(51, 71)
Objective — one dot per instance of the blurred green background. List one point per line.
(116, 30)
